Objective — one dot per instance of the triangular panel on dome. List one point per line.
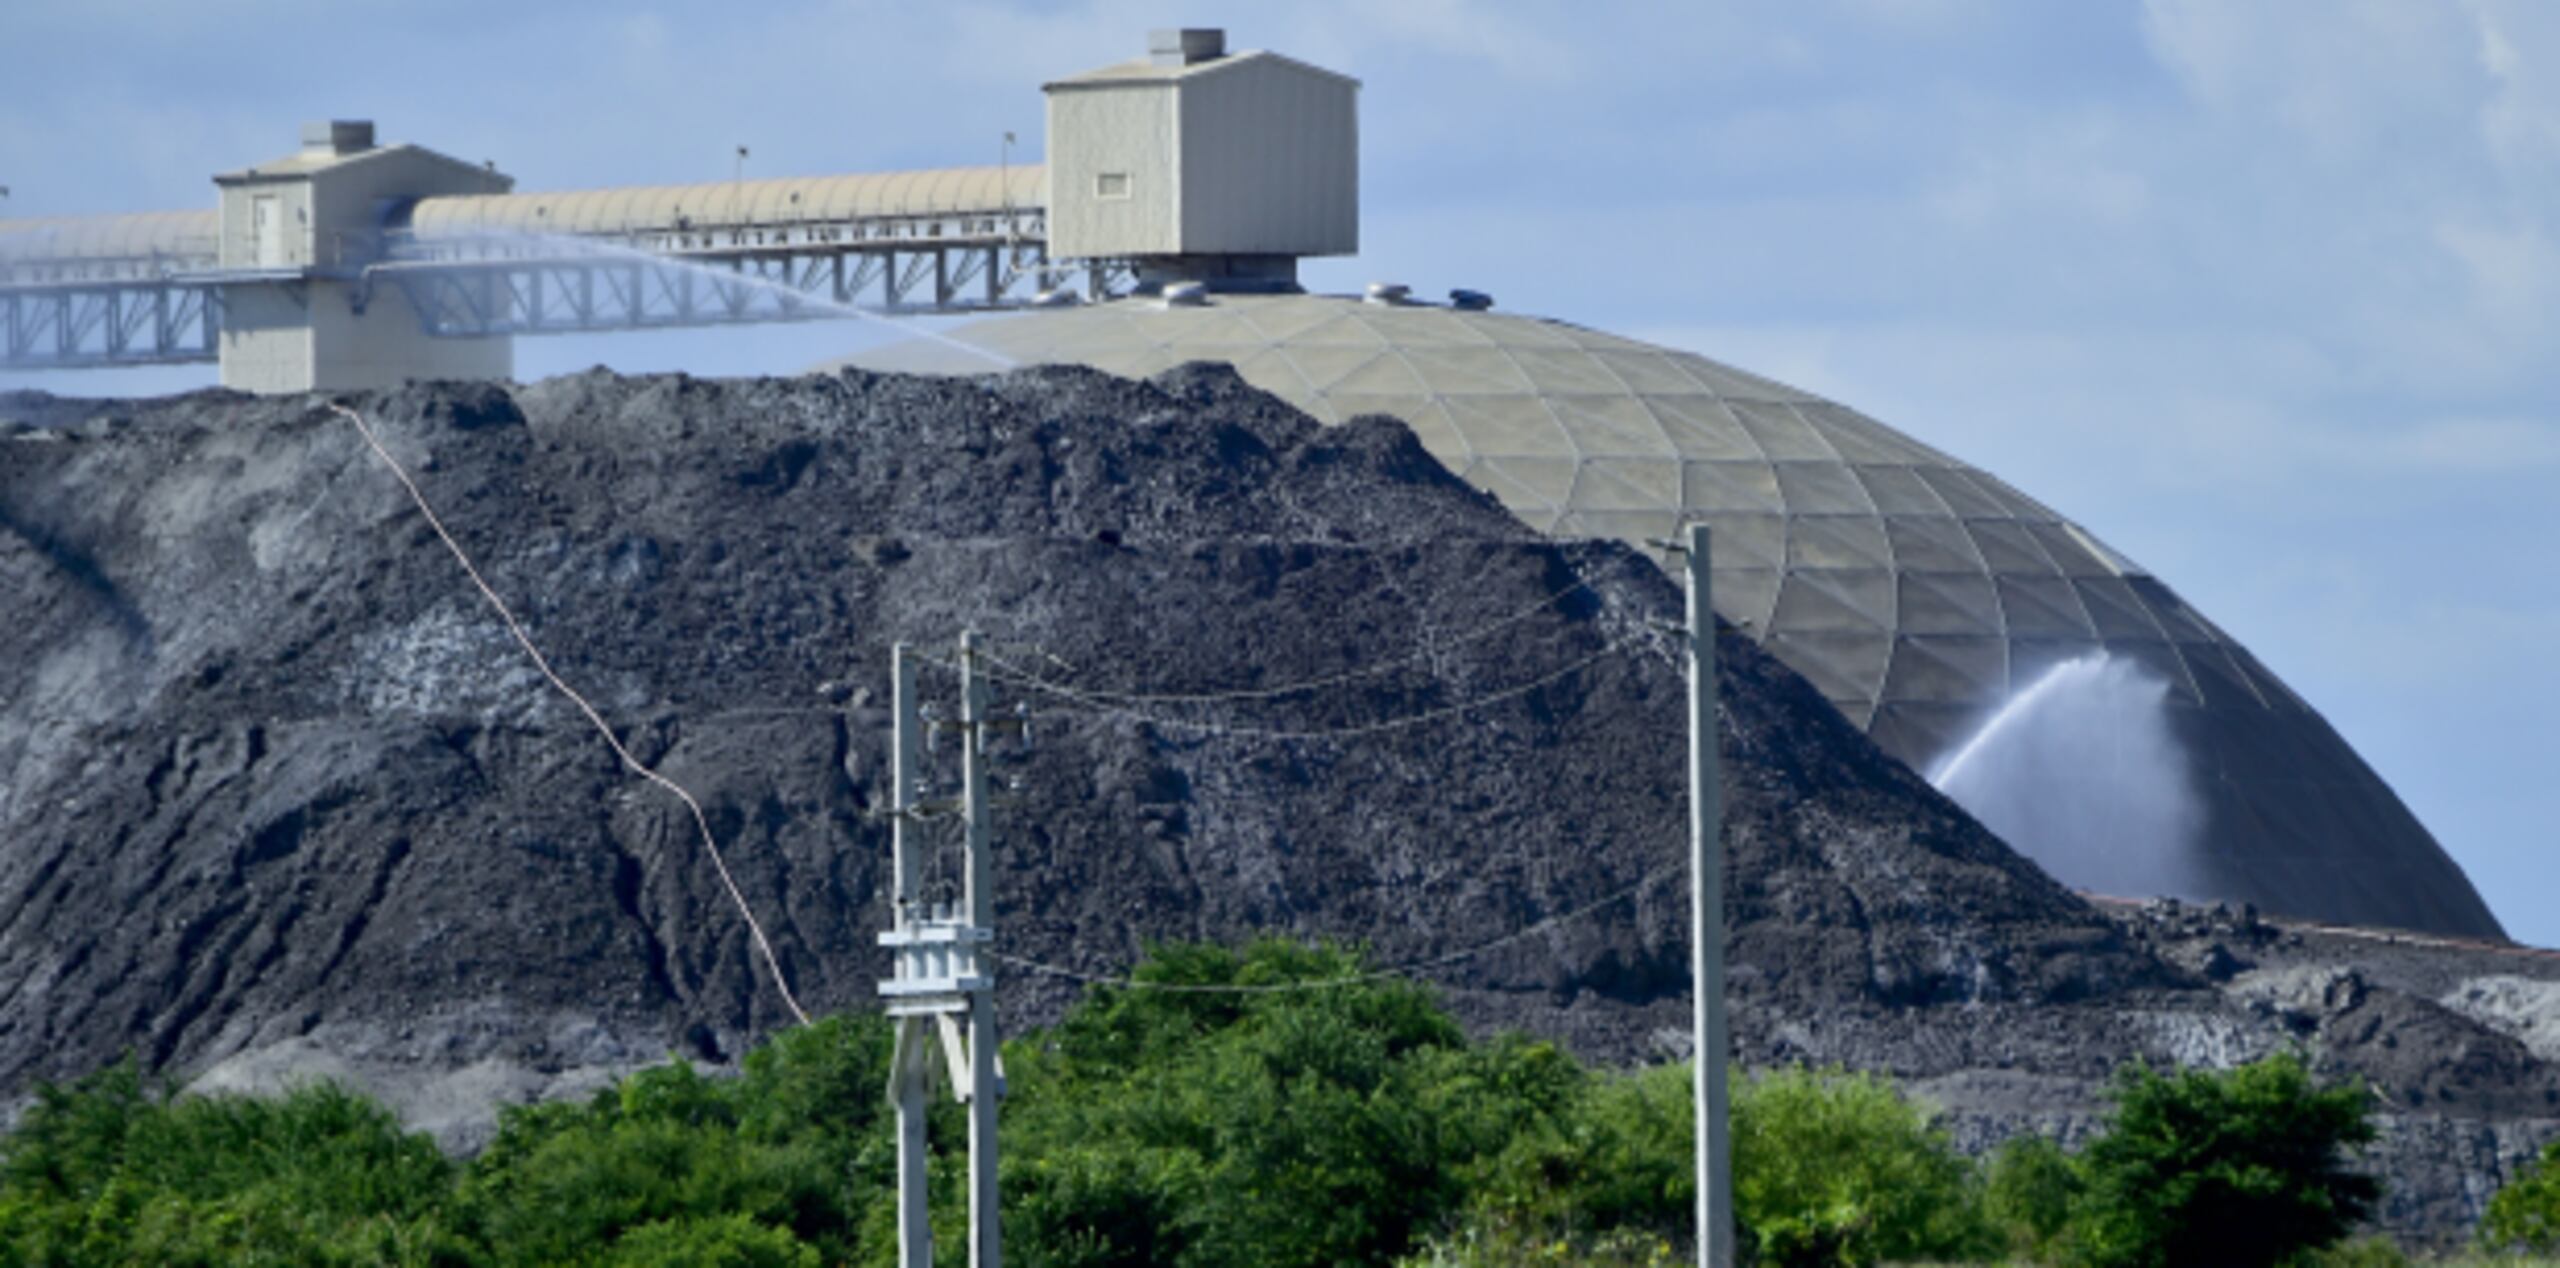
(2221, 681)
(1421, 327)
(1191, 325)
(1339, 330)
(1822, 488)
(1467, 371)
(1701, 427)
(1899, 491)
(1780, 434)
(1509, 425)
(1550, 480)
(1323, 365)
(1612, 427)
(1847, 666)
(1282, 319)
(2118, 614)
(1539, 513)
(1386, 374)
(1273, 372)
(2042, 607)
(1747, 539)
(1949, 603)
(1566, 371)
(1624, 484)
(1921, 732)
(2175, 617)
(1924, 543)
(2069, 552)
(1746, 596)
(1431, 425)
(1625, 526)
(1861, 439)
(2007, 546)
(1519, 332)
(1836, 599)
(1961, 493)
(1949, 668)
(1733, 384)
(1647, 372)
(1837, 541)
(1730, 486)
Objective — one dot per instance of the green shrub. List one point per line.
(2238, 1167)
(1838, 1168)
(2029, 1194)
(2525, 1214)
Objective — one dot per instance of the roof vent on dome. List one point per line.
(1470, 301)
(1185, 294)
(1389, 293)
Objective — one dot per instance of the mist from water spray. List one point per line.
(2082, 773)
(558, 246)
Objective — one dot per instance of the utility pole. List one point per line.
(941, 990)
(1710, 1046)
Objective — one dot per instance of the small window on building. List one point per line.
(1111, 185)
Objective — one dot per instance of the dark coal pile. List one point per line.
(278, 796)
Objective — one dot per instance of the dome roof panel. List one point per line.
(1916, 592)
(2042, 607)
(1566, 372)
(1949, 669)
(1845, 665)
(1485, 371)
(1612, 427)
(1924, 543)
(1837, 599)
(1948, 603)
(1621, 485)
(1745, 596)
(1386, 374)
(1422, 327)
(1780, 434)
(1837, 541)
(1509, 425)
(1822, 488)
(1647, 371)
(1899, 491)
(1701, 427)
(2007, 547)
(1722, 486)
(1323, 365)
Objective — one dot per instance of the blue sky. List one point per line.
(2261, 292)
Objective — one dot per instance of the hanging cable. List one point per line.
(701, 822)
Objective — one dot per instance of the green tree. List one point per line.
(2240, 1167)
(1833, 1167)
(2526, 1212)
(2029, 1194)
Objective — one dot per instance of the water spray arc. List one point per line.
(2082, 772)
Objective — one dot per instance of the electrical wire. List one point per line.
(1471, 637)
(701, 822)
(1407, 969)
(1006, 672)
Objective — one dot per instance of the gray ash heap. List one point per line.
(280, 797)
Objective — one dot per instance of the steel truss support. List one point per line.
(132, 323)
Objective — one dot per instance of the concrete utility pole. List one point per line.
(939, 975)
(1710, 1046)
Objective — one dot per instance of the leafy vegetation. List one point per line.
(2526, 1213)
(1266, 1106)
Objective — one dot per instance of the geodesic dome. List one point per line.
(1919, 594)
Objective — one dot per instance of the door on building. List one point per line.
(266, 224)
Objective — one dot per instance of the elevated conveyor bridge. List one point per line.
(148, 289)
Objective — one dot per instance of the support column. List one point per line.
(910, 1069)
(1710, 1047)
(985, 1084)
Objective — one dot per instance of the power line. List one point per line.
(1022, 678)
(1371, 975)
(701, 822)
(1141, 699)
